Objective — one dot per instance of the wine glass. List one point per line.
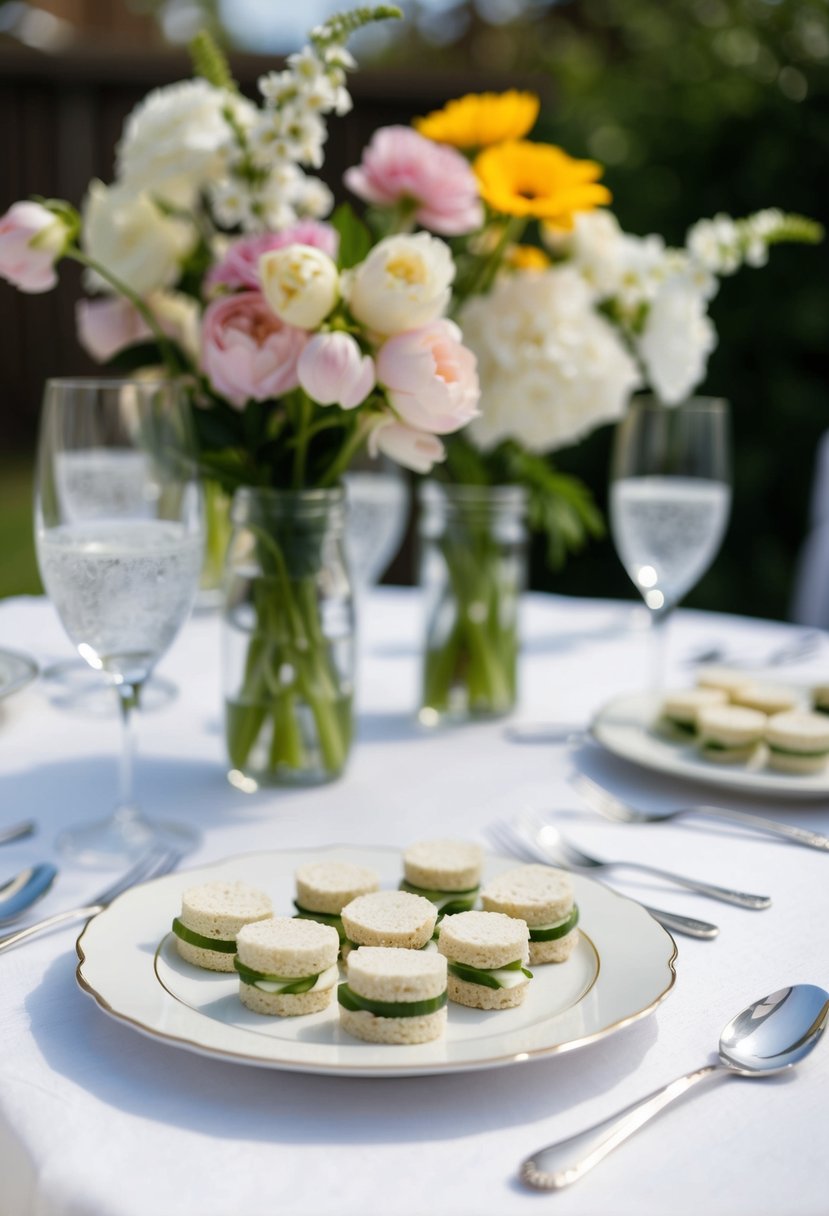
(670, 497)
(377, 495)
(120, 567)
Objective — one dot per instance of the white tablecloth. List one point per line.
(97, 1120)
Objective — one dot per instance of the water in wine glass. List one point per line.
(121, 588)
(667, 531)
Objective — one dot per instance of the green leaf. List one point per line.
(355, 238)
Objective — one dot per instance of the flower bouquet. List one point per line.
(305, 342)
(567, 316)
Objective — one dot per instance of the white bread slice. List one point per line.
(283, 945)
(403, 1031)
(536, 894)
(477, 996)
(383, 973)
(443, 865)
(285, 1005)
(327, 886)
(683, 706)
(765, 698)
(556, 951)
(483, 939)
(390, 918)
(219, 910)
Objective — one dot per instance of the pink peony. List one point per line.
(31, 240)
(108, 325)
(399, 165)
(334, 371)
(247, 351)
(411, 448)
(240, 265)
(430, 378)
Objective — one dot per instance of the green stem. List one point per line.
(346, 454)
(483, 280)
(167, 351)
(302, 440)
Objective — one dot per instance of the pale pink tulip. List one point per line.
(240, 265)
(430, 378)
(32, 238)
(247, 352)
(413, 449)
(334, 371)
(400, 166)
(108, 325)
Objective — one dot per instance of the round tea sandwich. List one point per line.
(798, 742)
(724, 678)
(211, 916)
(820, 699)
(287, 966)
(323, 888)
(729, 734)
(765, 698)
(389, 918)
(680, 709)
(394, 996)
(446, 872)
(542, 897)
(486, 953)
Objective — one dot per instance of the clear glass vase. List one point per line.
(473, 570)
(288, 638)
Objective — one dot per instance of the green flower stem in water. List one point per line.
(290, 676)
(470, 663)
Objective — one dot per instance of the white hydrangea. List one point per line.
(677, 338)
(174, 141)
(627, 270)
(551, 369)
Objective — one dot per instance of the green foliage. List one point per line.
(355, 238)
(340, 26)
(209, 62)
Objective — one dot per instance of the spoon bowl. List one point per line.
(25, 889)
(768, 1037)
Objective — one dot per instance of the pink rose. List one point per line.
(32, 238)
(240, 265)
(247, 351)
(334, 371)
(109, 324)
(399, 165)
(430, 378)
(413, 449)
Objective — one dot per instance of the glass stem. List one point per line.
(127, 702)
(659, 647)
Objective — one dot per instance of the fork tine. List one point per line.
(142, 868)
(597, 797)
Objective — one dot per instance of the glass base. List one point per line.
(72, 684)
(123, 838)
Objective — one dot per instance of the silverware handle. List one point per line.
(812, 840)
(17, 831)
(686, 925)
(50, 922)
(741, 898)
(558, 1165)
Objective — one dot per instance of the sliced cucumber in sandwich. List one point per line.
(286, 985)
(389, 1009)
(447, 902)
(204, 943)
(557, 929)
(509, 976)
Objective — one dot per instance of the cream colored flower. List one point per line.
(300, 283)
(404, 283)
(132, 239)
(551, 369)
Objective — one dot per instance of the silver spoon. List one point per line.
(25, 889)
(17, 832)
(771, 1035)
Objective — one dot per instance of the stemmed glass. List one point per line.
(670, 497)
(120, 567)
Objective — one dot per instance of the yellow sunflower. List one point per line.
(539, 181)
(481, 119)
(526, 257)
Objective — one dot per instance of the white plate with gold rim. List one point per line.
(628, 727)
(620, 971)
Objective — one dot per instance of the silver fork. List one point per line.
(152, 865)
(506, 836)
(612, 807)
(550, 840)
